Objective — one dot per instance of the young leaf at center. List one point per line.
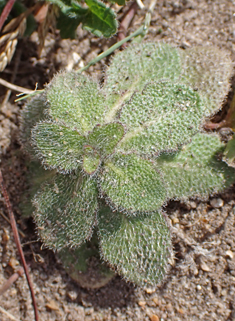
(91, 159)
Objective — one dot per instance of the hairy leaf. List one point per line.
(30, 115)
(208, 70)
(80, 262)
(131, 69)
(229, 152)
(195, 170)
(139, 247)
(132, 184)
(91, 159)
(65, 210)
(162, 117)
(59, 147)
(105, 138)
(75, 101)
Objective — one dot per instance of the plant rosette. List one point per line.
(121, 151)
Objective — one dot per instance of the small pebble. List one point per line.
(142, 303)
(89, 311)
(181, 311)
(229, 254)
(224, 292)
(5, 236)
(150, 290)
(199, 287)
(204, 267)
(155, 300)
(217, 202)
(13, 262)
(193, 205)
(154, 317)
(72, 295)
(175, 220)
(52, 305)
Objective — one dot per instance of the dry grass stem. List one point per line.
(15, 87)
(10, 316)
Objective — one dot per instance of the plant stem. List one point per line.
(141, 31)
(106, 53)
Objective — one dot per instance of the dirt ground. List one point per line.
(201, 282)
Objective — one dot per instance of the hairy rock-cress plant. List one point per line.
(119, 152)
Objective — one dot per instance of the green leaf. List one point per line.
(136, 66)
(119, 2)
(100, 20)
(195, 170)
(35, 176)
(65, 210)
(162, 117)
(139, 247)
(33, 112)
(65, 6)
(75, 101)
(91, 160)
(131, 184)
(207, 69)
(97, 18)
(68, 25)
(229, 152)
(58, 147)
(105, 138)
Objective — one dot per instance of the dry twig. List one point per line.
(46, 18)
(11, 280)
(126, 21)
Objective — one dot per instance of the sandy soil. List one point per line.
(201, 282)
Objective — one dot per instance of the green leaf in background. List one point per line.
(65, 6)
(100, 19)
(119, 2)
(97, 18)
(68, 26)
(229, 152)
